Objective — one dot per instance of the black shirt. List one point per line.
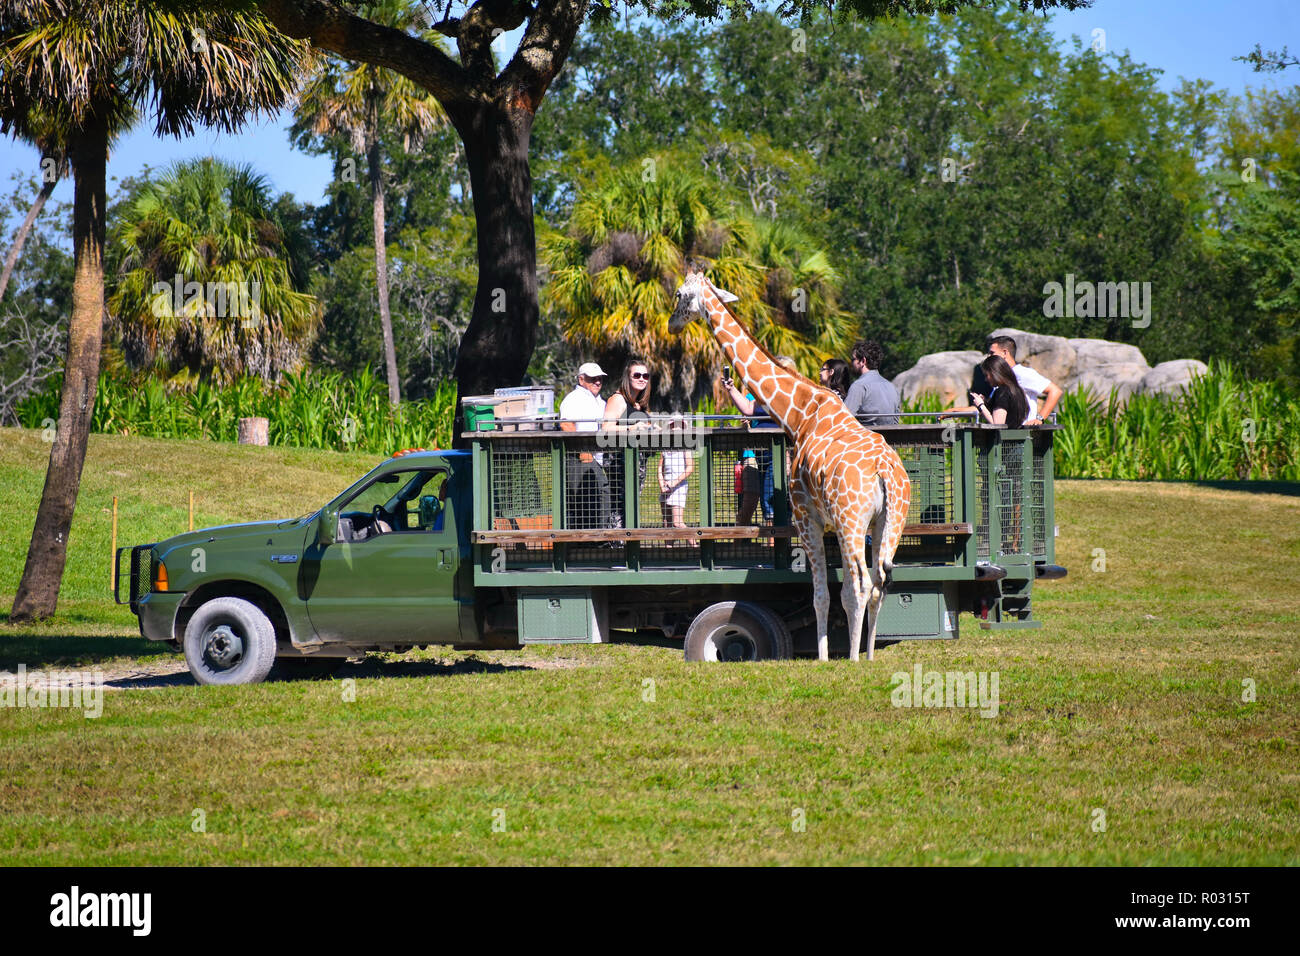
(1002, 398)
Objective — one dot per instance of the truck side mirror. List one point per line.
(327, 527)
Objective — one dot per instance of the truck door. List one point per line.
(388, 577)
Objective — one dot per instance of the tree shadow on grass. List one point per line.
(1290, 489)
(122, 657)
(39, 652)
(373, 667)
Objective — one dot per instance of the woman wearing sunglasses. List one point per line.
(628, 409)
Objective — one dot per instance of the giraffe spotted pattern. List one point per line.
(845, 477)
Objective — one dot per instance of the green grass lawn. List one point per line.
(1128, 701)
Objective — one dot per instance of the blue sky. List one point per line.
(1192, 38)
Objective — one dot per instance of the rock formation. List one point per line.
(1095, 364)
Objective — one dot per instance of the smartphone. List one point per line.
(726, 375)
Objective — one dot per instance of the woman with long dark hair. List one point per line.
(1006, 403)
(628, 409)
(835, 376)
(631, 403)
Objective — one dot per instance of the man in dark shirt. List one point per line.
(872, 398)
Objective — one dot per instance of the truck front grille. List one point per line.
(139, 571)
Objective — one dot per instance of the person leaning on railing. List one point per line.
(1034, 384)
(748, 406)
(1006, 403)
(872, 398)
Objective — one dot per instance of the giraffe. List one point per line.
(844, 476)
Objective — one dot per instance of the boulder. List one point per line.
(1125, 377)
(1170, 378)
(1050, 355)
(946, 374)
(1096, 353)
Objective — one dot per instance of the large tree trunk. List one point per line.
(381, 271)
(38, 591)
(498, 344)
(21, 239)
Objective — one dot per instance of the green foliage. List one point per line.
(308, 410)
(954, 165)
(215, 225)
(632, 230)
(432, 276)
(70, 64)
(1223, 427)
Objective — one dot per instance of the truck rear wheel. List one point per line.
(738, 631)
(229, 641)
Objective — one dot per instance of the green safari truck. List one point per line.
(544, 536)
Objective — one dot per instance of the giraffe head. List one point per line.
(690, 299)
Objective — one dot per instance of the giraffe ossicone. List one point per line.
(844, 477)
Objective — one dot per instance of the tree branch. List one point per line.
(542, 51)
(331, 27)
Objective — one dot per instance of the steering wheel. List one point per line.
(379, 514)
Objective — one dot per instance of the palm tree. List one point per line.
(362, 103)
(213, 227)
(90, 66)
(614, 272)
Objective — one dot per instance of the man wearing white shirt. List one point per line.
(587, 490)
(582, 409)
(1035, 385)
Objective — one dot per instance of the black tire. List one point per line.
(229, 641)
(737, 631)
(784, 642)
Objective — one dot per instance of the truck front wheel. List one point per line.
(738, 631)
(229, 641)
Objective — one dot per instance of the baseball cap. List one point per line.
(591, 370)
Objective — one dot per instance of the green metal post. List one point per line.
(706, 500)
(965, 499)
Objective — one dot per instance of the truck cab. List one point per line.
(378, 567)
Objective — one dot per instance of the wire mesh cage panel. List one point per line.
(929, 467)
(744, 491)
(1011, 497)
(669, 496)
(593, 498)
(983, 449)
(521, 485)
(1038, 494)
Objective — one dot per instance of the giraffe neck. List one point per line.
(772, 385)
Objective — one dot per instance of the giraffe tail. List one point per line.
(896, 489)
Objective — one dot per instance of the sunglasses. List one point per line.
(640, 376)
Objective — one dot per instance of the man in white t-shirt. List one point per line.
(1035, 385)
(583, 408)
(587, 492)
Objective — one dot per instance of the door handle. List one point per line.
(444, 558)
